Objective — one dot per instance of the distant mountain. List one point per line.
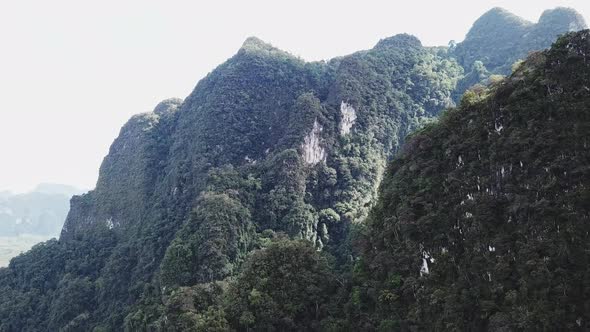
(236, 208)
(39, 212)
(498, 39)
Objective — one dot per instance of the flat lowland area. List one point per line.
(11, 246)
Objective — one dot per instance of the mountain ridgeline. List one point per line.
(483, 220)
(499, 39)
(237, 207)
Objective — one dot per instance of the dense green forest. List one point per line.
(483, 220)
(252, 204)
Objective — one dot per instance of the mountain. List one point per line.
(498, 39)
(265, 144)
(236, 207)
(483, 219)
(39, 212)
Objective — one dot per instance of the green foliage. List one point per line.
(480, 224)
(329, 216)
(53, 286)
(211, 245)
(189, 190)
(284, 287)
(394, 89)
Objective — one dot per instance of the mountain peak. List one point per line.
(498, 11)
(256, 46)
(167, 105)
(565, 17)
(496, 17)
(499, 38)
(192, 197)
(255, 43)
(399, 40)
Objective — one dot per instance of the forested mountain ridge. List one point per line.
(266, 148)
(498, 39)
(483, 221)
(265, 144)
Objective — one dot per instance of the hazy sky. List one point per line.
(72, 72)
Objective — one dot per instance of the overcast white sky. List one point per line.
(72, 71)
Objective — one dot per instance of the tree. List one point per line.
(286, 286)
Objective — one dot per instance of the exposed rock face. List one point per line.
(313, 151)
(348, 117)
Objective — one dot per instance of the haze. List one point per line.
(73, 72)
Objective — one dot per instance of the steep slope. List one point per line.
(265, 143)
(483, 220)
(310, 161)
(266, 148)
